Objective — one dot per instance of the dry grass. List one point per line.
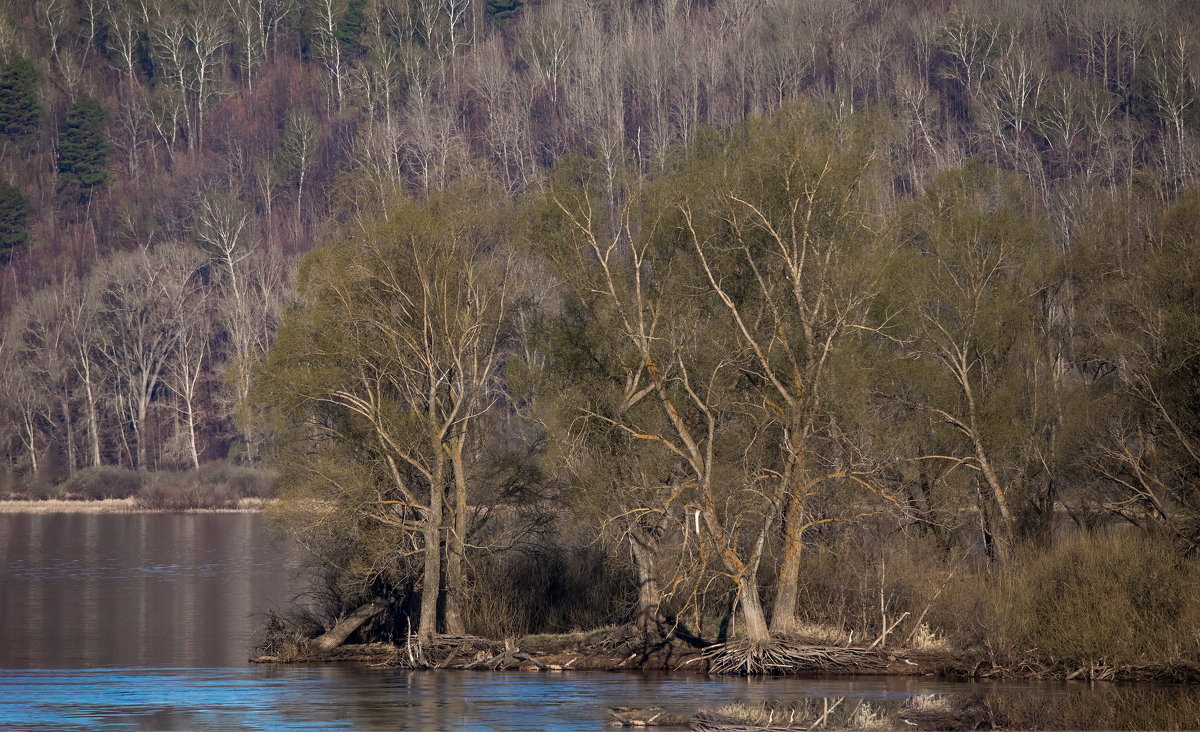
(115, 505)
(925, 638)
(824, 634)
(58, 505)
(927, 703)
(835, 713)
(870, 717)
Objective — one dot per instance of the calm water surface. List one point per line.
(98, 590)
(131, 622)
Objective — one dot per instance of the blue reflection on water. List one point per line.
(325, 698)
(319, 697)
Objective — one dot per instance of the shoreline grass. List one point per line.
(115, 505)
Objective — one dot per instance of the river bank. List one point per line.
(983, 701)
(622, 649)
(116, 505)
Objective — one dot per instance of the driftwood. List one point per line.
(338, 634)
(741, 657)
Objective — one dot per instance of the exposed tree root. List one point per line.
(782, 657)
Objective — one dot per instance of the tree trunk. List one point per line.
(299, 198)
(139, 430)
(69, 424)
(752, 611)
(431, 582)
(456, 544)
(93, 418)
(193, 452)
(787, 585)
(31, 443)
(338, 634)
(1006, 524)
(649, 592)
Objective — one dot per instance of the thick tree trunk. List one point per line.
(432, 580)
(649, 592)
(456, 545)
(787, 584)
(338, 634)
(752, 612)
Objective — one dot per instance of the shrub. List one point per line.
(1110, 599)
(1103, 599)
(182, 492)
(519, 593)
(38, 488)
(1119, 598)
(241, 480)
(103, 481)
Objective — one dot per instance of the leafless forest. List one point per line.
(846, 318)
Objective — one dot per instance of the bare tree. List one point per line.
(189, 363)
(326, 19)
(419, 308)
(296, 154)
(80, 318)
(139, 324)
(672, 397)
(208, 35)
(813, 265)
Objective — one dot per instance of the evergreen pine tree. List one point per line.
(14, 220)
(501, 11)
(351, 28)
(83, 148)
(20, 111)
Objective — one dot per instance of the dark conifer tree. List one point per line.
(20, 111)
(83, 148)
(501, 11)
(351, 28)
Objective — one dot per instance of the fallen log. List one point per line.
(338, 634)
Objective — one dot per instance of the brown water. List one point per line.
(136, 622)
(182, 590)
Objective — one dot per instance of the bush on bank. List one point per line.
(218, 484)
(1090, 605)
(1100, 600)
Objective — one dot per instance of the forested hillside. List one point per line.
(727, 279)
(200, 146)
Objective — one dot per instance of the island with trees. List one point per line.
(747, 336)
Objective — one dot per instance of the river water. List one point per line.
(146, 621)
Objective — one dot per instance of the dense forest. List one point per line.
(791, 316)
